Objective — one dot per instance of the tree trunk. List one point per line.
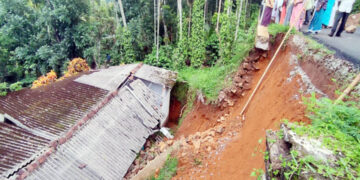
(179, 4)
(116, 16)
(166, 35)
(155, 24)
(216, 5)
(122, 13)
(218, 18)
(98, 59)
(205, 11)
(246, 4)
(238, 16)
(158, 30)
(229, 8)
(190, 15)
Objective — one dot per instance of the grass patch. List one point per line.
(210, 80)
(314, 45)
(337, 126)
(275, 29)
(168, 171)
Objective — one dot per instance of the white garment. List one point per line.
(346, 5)
(333, 13)
(275, 14)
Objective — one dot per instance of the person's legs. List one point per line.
(266, 17)
(288, 14)
(343, 23)
(316, 24)
(336, 22)
(307, 17)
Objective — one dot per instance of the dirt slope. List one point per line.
(279, 97)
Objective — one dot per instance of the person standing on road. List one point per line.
(327, 14)
(309, 8)
(342, 14)
(266, 17)
(297, 11)
(316, 23)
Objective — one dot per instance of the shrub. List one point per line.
(45, 80)
(16, 86)
(77, 65)
(165, 59)
(3, 89)
(212, 49)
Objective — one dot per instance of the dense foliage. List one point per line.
(37, 36)
(197, 40)
(356, 7)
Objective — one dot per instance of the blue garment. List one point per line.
(288, 14)
(327, 14)
(316, 23)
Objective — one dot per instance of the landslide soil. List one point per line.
(237, 150)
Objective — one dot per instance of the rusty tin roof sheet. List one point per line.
(107, 144)
(83, 127)
(53, 108)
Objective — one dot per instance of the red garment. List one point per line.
(283, 14)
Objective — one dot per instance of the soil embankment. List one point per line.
(237, 147)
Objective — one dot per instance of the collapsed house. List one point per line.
(86, 127)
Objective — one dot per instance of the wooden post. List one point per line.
(348, 89)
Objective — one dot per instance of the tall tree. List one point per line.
(155, 24)
(197, 41)
(226, 32)
(166, 35)
(158, 30)
(238, 16)
(218, 18)
(122, 13)
(179, 6)
(190, 4)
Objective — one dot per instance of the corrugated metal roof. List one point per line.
(106, 146)
(17, 148)
(98, 129)
(53, 108)
(108, 79)
(47, 110)
(157, 75)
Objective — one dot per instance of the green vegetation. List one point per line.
(337, 126)
(58, 31)
(314, 45)
(197, 40)
(275, 29)
(212, 79)
(226, 33)
(356, 7)
(168, 171)
(3, 89)
(16, 86)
